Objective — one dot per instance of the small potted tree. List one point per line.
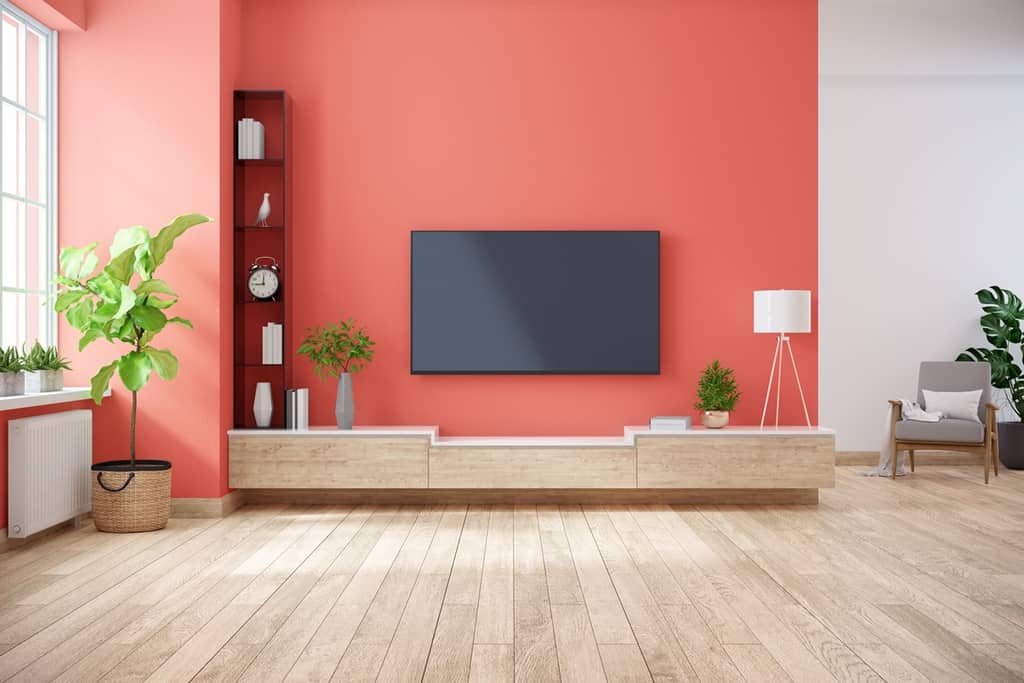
(126, 304)
(716, 395)
(45, 369)
(1002, 313)
(339, 350)
(12, 375)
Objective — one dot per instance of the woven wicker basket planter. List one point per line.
(127, 499)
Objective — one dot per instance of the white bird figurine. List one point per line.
(264, 212)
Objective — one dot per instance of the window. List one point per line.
(28, 225)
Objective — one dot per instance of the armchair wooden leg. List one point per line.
(895, 459)
(911, 452)
(988, 456)
(995, 454)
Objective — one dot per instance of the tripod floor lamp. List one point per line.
(782, 312)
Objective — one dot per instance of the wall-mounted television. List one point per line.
(535, 302)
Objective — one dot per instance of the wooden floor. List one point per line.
(918, 579)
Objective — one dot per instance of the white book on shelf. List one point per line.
(278, 344)
(259, 146)
(266, 345)
(240, 142)
(302, 409)
(252, 138)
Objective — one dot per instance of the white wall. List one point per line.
(921, 191)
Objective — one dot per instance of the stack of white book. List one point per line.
(250, 139)
(296, 409)
(273, 344)
(670, 424)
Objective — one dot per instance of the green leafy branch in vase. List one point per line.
(337, 348)
(124, 303)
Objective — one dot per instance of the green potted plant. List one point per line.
(126, 304)
(1002, 313)
(339, 350)
(12, 376)
(44, 369)
(716, 395)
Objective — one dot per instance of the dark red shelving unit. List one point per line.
(253, 177)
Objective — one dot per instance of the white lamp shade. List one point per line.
(782, 310)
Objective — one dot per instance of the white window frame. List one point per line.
(50, 326)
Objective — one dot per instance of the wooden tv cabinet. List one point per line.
(416, 464)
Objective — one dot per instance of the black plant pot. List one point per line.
(1011, 444)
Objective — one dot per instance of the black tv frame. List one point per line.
(412, 371)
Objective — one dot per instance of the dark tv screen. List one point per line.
(535, 302)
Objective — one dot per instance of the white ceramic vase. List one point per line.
(263, 404)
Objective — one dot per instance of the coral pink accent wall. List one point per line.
(695, 118)
(142, 139)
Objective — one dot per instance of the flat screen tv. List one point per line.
(535, 302)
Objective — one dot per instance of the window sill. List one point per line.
(49, 398)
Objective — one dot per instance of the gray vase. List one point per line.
(344, 406)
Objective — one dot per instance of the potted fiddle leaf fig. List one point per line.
(44, 368)
(125, 304)
(717, 394)
(338, 350)
(1002, 313)
(12, 375)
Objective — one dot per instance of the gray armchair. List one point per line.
(965, 436)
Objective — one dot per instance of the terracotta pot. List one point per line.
(714, 419)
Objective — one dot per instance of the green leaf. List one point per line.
(77, 261)
(67, 299)
(104, 287)
(1004, 368)
(89, 336)
(164, 362)
(134, 369)
(154, 287)
(127, 302)
(157, 302)
(121, 267)
(1002, 303)
(181, 321)
(80, 314)
(101, 380)
(163, 242)
(128, 238)
(148, 318)
(999, 332)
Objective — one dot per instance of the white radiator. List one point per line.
(48, 467)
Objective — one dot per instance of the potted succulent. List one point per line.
(339, 350)
(716, 395)
(44, 369)
(12, 377)
(1002, 313)
(126, 304)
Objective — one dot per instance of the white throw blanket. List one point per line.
(911, 411)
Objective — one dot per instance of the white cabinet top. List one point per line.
(628, 437)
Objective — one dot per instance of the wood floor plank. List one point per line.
(563, 583)
(495, 621)
(579, 659)
(623, 663)
(536, 657)
(492, 663)
(607, 617)
(451, 652)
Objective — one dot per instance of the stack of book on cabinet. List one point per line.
(670, 424)
(296, 409)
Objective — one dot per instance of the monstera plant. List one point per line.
(1002, 313)
(126, 304)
